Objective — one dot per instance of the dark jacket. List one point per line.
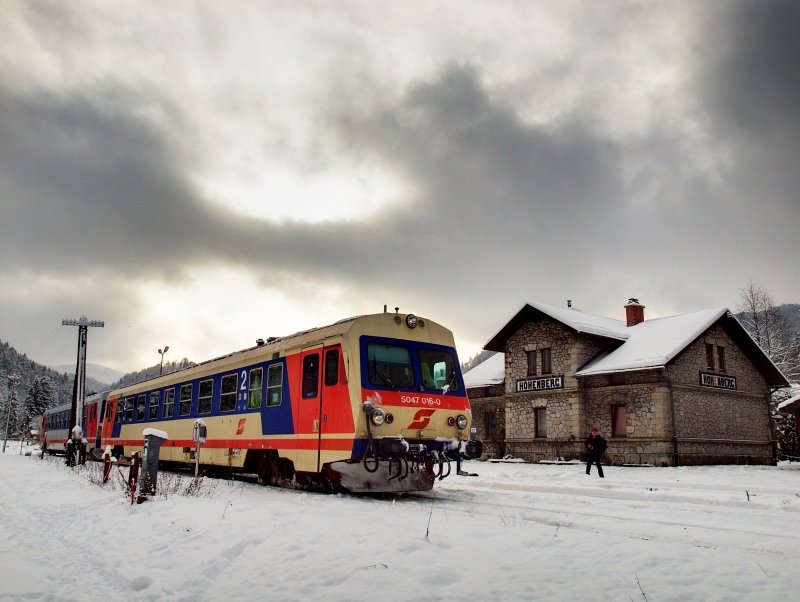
(596, 446)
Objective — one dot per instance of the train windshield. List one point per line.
(397, 366)
(438, 370)
(389, 365)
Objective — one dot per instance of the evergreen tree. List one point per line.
(40, 396)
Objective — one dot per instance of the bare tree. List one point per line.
(768, 327)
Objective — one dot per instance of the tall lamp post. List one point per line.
(162, 352)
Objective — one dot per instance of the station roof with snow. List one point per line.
(651, 344)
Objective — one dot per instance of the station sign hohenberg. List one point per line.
(540, 384)
(717, 381)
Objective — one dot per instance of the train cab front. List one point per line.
(413, 425)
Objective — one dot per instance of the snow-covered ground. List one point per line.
(516, 532)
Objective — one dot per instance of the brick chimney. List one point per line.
(634, 312)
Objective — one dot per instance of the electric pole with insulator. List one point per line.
(79, 388)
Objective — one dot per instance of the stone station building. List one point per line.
(687, 389)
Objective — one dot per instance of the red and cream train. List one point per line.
(374, 403)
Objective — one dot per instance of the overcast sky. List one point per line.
(202, 174)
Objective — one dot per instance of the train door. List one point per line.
(310, 407)
(108, 420)
(91, 422)
(325, 409)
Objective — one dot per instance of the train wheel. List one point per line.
(267, 470)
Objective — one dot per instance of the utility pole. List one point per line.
(13, 383)
(79, 388)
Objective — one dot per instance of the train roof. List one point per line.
(103, 395)
(274, 344)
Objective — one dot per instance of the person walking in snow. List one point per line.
(597, 447)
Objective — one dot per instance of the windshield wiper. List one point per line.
(449, 384)
(385, 378)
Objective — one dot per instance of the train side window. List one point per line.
(169, 403)
(142, 401)
(254, 392)
(205, 395)
(129, 402)
(275, 385)
(332, 368)
(185, 402)
(154, 399)
(120, 410)
(310, 375)
(227, 397)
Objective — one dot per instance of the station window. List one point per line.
(154, 399)
(709, 356)
(490, 425)
(169, 403)
(185, 402)
(532, 363)
(227, 397)
(540, 418)
(254, 391)
(619, 421)
(331, 367)
(721, 358)
(275, 385)
(547, 361)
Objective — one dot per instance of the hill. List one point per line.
(132, 378)
(100, 375)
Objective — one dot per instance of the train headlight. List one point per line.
(411, 321)
(461, 421)
(378, 417)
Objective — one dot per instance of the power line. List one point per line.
(43, 345)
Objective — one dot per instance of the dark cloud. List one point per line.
(748, 76)
(753, 68)
(88, 183)
(484, 177)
